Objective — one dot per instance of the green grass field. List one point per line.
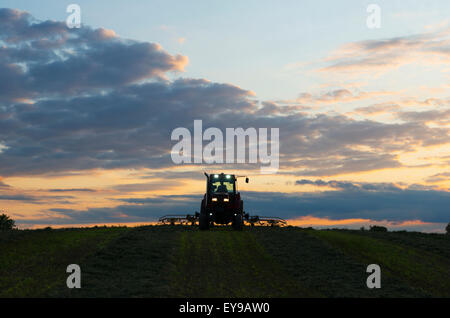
(177, 261)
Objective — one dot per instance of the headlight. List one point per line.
(216, 176)
(226, 199)
(214, 199)
(228, 176)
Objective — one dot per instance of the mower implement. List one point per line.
(178, 219)
(266, 221)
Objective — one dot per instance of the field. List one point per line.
(177, 261)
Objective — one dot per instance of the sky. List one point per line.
(363, 113)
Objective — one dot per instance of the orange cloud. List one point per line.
(311, 221)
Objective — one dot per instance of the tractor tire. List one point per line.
(203, 222)
(238, 222)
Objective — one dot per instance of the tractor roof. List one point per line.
(222, 176)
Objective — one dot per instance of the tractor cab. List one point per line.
(221, 184)
(221, 203)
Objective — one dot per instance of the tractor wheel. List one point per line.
(238, 222)
(203, 222)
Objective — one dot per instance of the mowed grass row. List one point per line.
(424, 269)
(178, 261)
(138, 264)
(434, 243)
(225, 263)
(34, 262)
(325, 268)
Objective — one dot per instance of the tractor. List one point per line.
(222, 203)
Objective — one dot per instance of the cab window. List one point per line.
(222, 186)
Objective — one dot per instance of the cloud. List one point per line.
(3, 185)
(71, 190)
(171, 174)
(377, 109)
(439, 177)
(379, 205)
(42, 58)
(427, 206)
(9, 193)
(26, 198)
(409, 225)
(338, 96)
(441, 117)
(18, 197)
(143, 187)
(379, 56)
(396, 106)
(131, 126)
(140, 210)
(349, 186)
(272, 108)
(116, 111)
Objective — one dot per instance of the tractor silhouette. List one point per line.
(222, 203)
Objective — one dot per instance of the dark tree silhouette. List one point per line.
(448, 228)
(6, 223)
(377, 228)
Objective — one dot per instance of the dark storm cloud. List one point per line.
(57, 60)
(90, 109)
(131, 127)
(17, 26)
(105, 65)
